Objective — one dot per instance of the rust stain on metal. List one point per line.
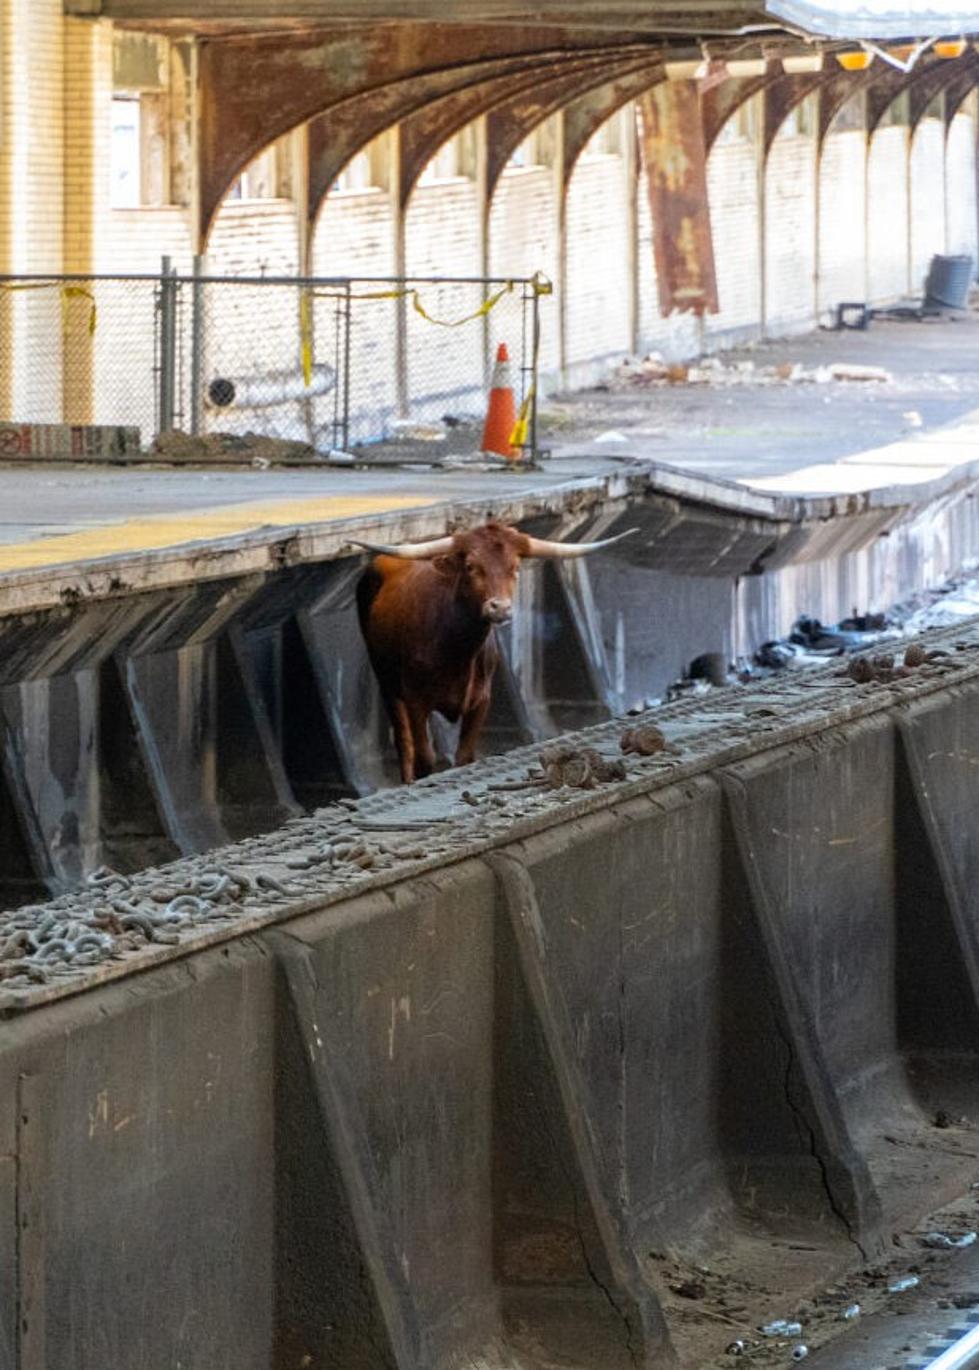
(782, 96)
(585, 115)
(675, 161)
(720, 102)
(256, 87)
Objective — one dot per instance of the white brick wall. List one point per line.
(927, 198)
(31, 201)
(445, 365)
(679, 335)
(960, 186)
(597, 261)
(354, 236)
(887, 214)
(790, 239)
(522, 240)
(732, 184)
(842, 218)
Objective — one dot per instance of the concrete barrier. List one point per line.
(449, 1094)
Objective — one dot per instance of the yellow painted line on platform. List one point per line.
(199, 525)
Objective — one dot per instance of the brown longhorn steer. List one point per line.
(427, 611)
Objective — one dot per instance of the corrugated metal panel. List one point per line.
(878, 18)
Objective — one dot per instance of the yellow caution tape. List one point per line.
(306, 337)
(518, 438)
(68, 292)
(539, 284)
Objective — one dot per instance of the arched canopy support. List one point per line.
(837, 90)
(958, 90)
(722, 102)
(338, 134)
(781, 98)
(256, 87)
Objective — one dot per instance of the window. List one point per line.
(538, 148)
(455, 158)
(743, 124)
(607, 140)
(898, 112)
(801, 121)
(852, 116)
(125, 161)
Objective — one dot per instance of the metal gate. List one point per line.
(324, 362)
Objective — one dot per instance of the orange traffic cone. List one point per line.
(501, 413)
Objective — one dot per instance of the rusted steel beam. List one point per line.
(584, 117)
(424, 133)
(836, 89)
(675, 160)
(510, 124)
(958, 89)
(781, 98)
(883, 88)
(254, 88)
(339, 133)
(721, 102)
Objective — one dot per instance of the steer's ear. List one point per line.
(446, 565)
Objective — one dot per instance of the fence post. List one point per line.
(168, 346)
(347, 320)
(197, 346)
(535, 364)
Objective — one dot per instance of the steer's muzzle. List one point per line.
(498, 610)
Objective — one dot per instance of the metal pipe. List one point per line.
(196, 347)
(960, 1355)
(275, 387)
(168, 346)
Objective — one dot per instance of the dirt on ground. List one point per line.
(774, 1301)
(778, 404)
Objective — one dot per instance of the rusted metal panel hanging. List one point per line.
(674, 155)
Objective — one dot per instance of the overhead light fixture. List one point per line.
(950, 47)
(747, 66)
(802, 64)
(691, 70)
(855, 61)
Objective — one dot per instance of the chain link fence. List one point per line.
(329, 363)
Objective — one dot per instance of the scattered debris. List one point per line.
(900, 1286)
(736, 1348)
(781, 1327)
(850, 1313)
(580, 768)
(713, 371)
(643, 741)
(800, 1352)
(415, 430)
(941, 1241)
(239, 449)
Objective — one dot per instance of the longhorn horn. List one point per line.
(412, 551)
(539, 547)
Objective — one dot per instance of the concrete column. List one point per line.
(559, 189)
(185, 179)
(31, 201)
(87, 199)
(630, 173)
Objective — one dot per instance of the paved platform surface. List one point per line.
(792, 438)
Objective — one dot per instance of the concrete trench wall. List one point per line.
(453, 1121)
(141, 726)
